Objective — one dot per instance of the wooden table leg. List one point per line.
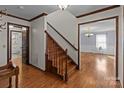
(10, 82)
(16, 81)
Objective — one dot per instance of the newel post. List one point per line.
(66, 66)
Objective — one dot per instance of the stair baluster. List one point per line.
(57, 59)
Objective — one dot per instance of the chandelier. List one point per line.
(2, 24)
(63, 7)
(88, 33)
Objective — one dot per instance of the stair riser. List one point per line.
(57, 60)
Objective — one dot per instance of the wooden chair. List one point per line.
(8, 71)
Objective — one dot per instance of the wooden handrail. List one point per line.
(62, 36)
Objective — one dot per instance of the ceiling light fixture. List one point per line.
(2, 23)
(88, 33)
(63, 7)
(21, 7)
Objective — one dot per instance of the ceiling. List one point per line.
(31, 11)
(100, 26)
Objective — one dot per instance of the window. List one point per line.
(101, 41)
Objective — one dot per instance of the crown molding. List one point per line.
(29, 20)
(82, 15)
(41, 15)
(11, 15)
(98, 11)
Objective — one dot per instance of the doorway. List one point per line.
(18, 43)
(98, 48)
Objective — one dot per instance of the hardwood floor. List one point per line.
(97, 71)
(100, 69)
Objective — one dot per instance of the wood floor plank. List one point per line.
(97, 71)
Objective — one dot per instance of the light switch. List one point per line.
(4, 46)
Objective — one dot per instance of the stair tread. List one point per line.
(60, 59)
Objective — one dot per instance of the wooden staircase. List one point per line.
(57, 59)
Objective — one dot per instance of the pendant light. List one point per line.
(88, 33)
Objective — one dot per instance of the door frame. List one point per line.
(9, 44)
(117, 33)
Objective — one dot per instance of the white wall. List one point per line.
(106, 14)
(3, 38)
(66, 24)
(38, 43)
